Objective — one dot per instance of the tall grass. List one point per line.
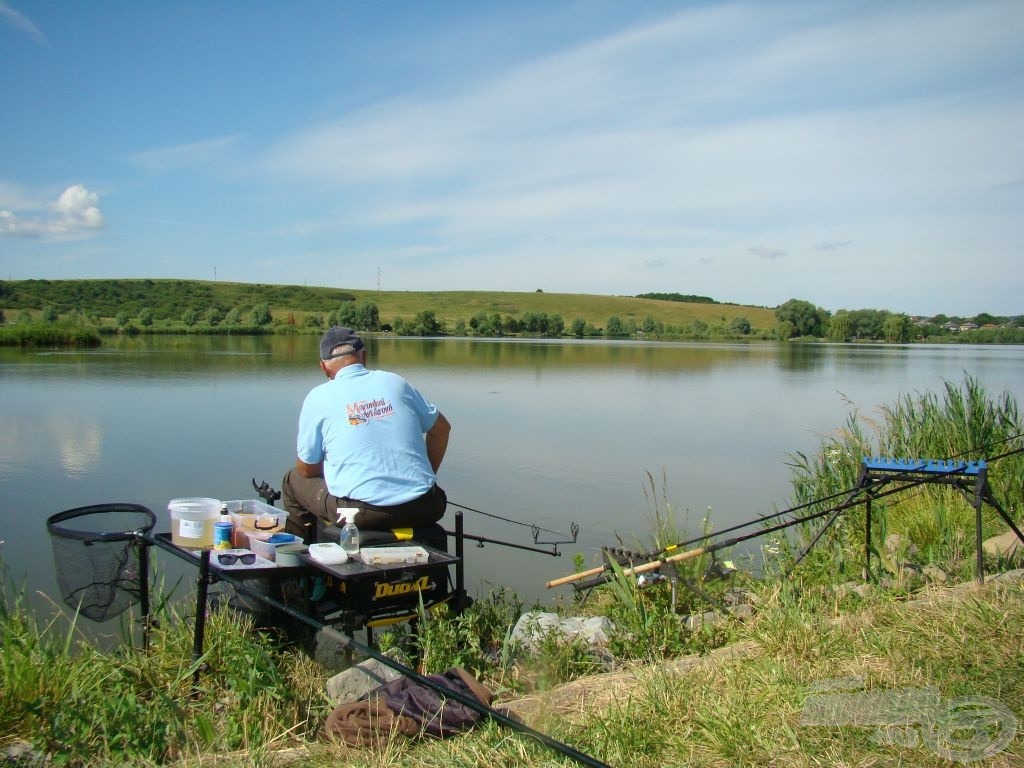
(650, 618)
(80, 706)
(49, 335)
(962, 422)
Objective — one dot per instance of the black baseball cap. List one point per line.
(339, 341)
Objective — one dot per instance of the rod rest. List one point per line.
(925, 466)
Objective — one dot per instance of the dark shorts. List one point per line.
(308, 501)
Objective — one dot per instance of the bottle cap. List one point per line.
(347, 514)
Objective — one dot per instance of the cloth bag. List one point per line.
(409, 708)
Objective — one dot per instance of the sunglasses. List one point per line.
(230, 558)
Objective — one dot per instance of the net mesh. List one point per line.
(96, 553)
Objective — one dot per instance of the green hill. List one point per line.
(167, 300)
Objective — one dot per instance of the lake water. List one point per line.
(548, 433)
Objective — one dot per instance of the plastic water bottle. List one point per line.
(349, 539)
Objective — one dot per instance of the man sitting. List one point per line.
(367, 440)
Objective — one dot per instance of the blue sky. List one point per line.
(856, 155)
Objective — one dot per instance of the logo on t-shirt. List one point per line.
(365, 410)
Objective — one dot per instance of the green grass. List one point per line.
(130, 708)
(746, 710)
(595, 310)
(82, 706)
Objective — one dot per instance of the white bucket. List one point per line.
(192, 522)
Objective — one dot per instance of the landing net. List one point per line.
(96, 552)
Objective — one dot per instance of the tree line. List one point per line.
(183, 306)
(365, 316)
(802, 319)
(797, 319)
(165, 298)
(687, 298)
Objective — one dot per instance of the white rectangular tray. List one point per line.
(391, 555)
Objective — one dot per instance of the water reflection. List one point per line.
(79, 446)
(799, 357)
(29, 441)
(565, 354)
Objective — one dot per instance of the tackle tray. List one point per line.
(357, 593)
(393, 555)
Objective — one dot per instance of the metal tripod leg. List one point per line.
(983, 493)
(202, 587)
(992, 502)
(862, 484)
(143, 546)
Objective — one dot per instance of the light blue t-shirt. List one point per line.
(367, 427)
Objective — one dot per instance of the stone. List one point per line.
(331, 653)
(743, 611)
(534, 626)
(1010, 577)
(863, 590)
(900, 546)
(358, 680)
(21, 753)
(1003, 547)
(737, 596)
(694, 622)
(934, 574)
(848, 588)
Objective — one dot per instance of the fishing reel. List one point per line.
(265, 492)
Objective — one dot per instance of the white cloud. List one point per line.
(692, 153)
(832, 245)
(1010, 185)
(654, 129)
(765, 252)
(714, 133)
(75, 213)
(21, 22)
(162, 159)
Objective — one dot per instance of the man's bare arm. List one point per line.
(437, 441)
(309, 470)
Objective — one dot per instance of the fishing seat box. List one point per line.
(357, 593)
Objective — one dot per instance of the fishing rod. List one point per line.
(503, 519)
(271, 495)
(481, 540)
(689, 542)
(690, 553)
(351, 644)
(851, 501)
(813, 502)
(574, 530)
